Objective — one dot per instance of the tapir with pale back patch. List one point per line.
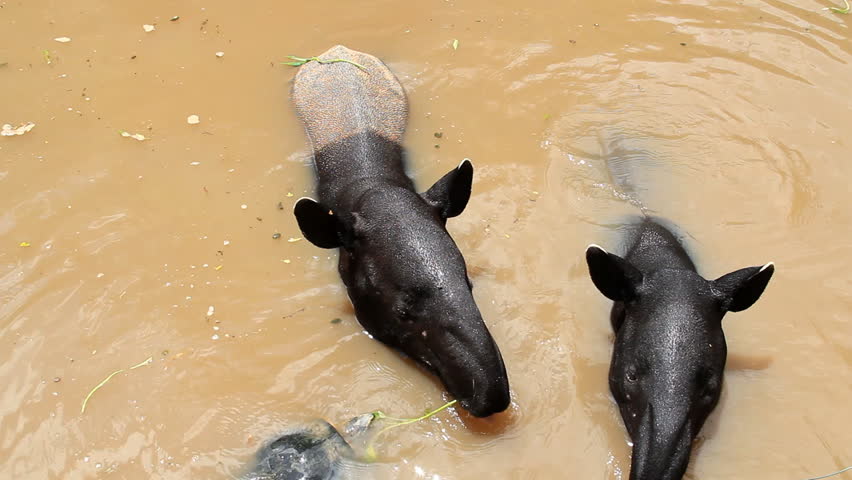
(669, 354)
(403, 272)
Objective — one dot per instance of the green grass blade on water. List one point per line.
(299, 61)
(398, 422)
(148, 361)
(844, 11)
(832, 474)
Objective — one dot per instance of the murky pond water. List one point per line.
(730, 118)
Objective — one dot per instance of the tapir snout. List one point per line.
(466, 358)
(662, 445)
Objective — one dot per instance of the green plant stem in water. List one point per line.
(842, 10)
(379, 415)
(299, 61)
(839, 471)
(86, 400)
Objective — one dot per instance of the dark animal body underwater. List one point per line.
(316, 451)
(669, 354)
(403, 272)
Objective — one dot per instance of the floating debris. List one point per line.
(289, 194)
(135, 136)
(193, 120)
(148, 28)
(286, 260)
(148, 361)
(24, 244)
(220, 54)
(294, 239)
(174, 19)
(398, 422)
(9, 130)
(299, 61)
(63, 39)
(244, 206)
(336, 320)
(211, 310)
(455, 44)
(218, 267)
(840, 10)
(276, 236)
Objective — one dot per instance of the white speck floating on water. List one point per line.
(8, 130)
(135, 136)
(215, 337)
(211, 310)
(220, 54)
(63, 39)
(148, 28)
(193, 120)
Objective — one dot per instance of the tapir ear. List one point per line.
(614, 276)
(318, 224)
(451, 193)
(742, 288)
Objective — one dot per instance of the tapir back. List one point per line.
(340, 100)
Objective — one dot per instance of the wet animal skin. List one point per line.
(316, 451)
(312, 453)
(669, 354)
(403, 272)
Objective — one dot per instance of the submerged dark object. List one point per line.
(669, 354)
(316, 451)
(403, 272)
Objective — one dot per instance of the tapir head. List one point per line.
(669, 354)
(409, 283)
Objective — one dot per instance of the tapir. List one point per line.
(669, 354)
(403, 272)
(316, 451)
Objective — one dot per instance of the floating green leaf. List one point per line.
(299, 61)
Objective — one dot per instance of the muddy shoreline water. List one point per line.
(730, 117)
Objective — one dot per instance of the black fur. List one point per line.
(669, 355)
(402, 270)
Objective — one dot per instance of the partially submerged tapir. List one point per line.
(669, 354)
(402, 270)
(316, 451)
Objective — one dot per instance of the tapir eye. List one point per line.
(631, 376)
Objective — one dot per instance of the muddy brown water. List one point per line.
(729, 118)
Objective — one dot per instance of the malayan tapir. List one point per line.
(669, 354)
(403, 272)
(316, 451)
